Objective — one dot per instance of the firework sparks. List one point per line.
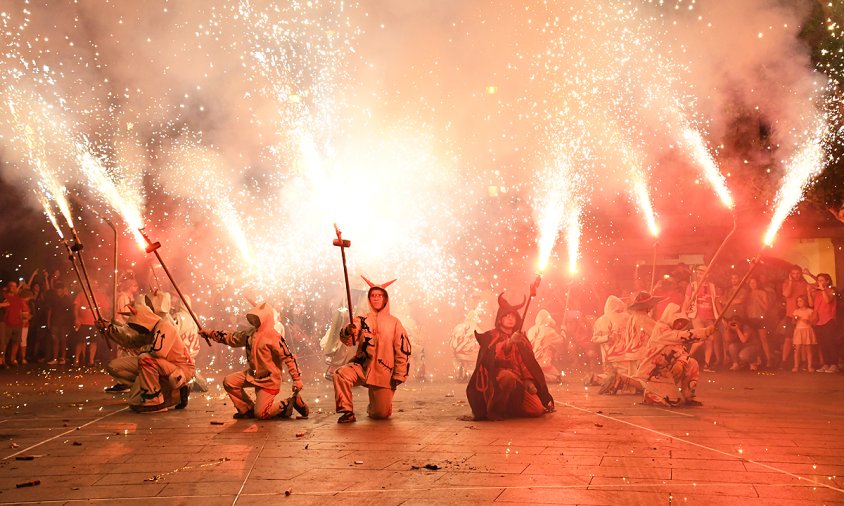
(40, 194)
(807, 163)
(643, 199)
(693, 141)
(125, 203)
(32, 130)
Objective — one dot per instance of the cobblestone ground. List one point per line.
(759, 439)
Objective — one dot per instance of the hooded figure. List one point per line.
(464, 346)
(610, 331)
(381, 362)
(508, 381)
(667, 374)
(266, 351)
(335, 352)
(547, 344)
(164, 364)
(639, 329)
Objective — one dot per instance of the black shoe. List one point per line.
(693, 402)
(286, 409)
(347, 417)
(241, 416)
(184, 393)
(300, 406)
(116, 388)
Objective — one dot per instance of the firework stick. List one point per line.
(714, 257)
(533, 288)
(152, 247)
(753, 264)
(88, 297)
(343, 244)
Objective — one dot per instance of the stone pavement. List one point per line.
(759, 439)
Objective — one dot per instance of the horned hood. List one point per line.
(380, 288)
(261, 316)
(505, 308)
(143, 319)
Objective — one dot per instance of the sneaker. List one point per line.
(24, 362)
(734, 367)
(832, 369)
(754, 367)
(241, 416)
(795, 370)
(116, 388)
(53, 362)
(811, 370)
(300, 406)
(150, 408)
(184, 393)
(821, 368)
(347, 417)
(708, 368)
(62, 362)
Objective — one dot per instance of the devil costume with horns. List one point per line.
(164, 365)
(266, 353)
(382, 361)
(508, 381)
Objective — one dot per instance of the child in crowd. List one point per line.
(804, 335)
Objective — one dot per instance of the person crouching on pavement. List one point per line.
(382, 360)
(164, 365)
(667, 369)
(266, 352)
(508, 381)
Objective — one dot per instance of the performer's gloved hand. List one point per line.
(298, 385)
(394, 383)
(350, 330)
(530, 387)
(213, 335)
(709, 330)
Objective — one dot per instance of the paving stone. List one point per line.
(756, 446)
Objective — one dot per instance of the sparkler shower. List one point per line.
(456, 142)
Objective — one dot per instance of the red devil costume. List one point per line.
(507, 382)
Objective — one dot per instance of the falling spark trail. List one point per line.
(100, 181)
(573, 232)
(694, 142)
(643, 199)
(806, 164)
(42, 198)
